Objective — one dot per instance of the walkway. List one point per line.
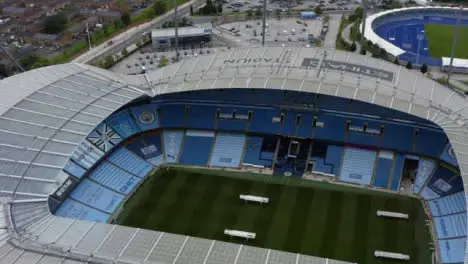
(333, 29)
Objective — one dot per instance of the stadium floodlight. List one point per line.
(176, 30)
(454, 43)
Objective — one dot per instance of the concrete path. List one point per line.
(345, 35)
(333, 29)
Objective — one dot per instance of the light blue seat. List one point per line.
(358, 165)
(172, 142)
(227, 150)
(130, 162)
(428, 194)
(97, 196)
(451, 204)
(333, 157)
(450, 226)
(74, 169)
(76, 210)
(452, 250)
(115, 178)
(425, 169)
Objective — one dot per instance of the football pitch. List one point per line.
(440, 39)
(303, 216)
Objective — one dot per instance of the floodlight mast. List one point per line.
(454, 43)
(363, 26)
(176, 25)
(264, 19)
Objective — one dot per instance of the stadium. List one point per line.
(420, 35)
(98, 167)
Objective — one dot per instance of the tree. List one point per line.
(424, 68)
(396, 61)
(34, 61)
(163, 61)
(318, 10)
(258, 12)
(277, 11)
(191, 10)
(383, 54)
(363, 51)
(249, 13)
(108, 61)
(124, 52)
(159, 7)
(359, 12)
(353, 47)
(4, 71)
(409, 65)
(55, 24)
(126, 18)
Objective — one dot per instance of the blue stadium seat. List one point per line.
(233, 118)
(425, 169)
(74, 169)
(167, 113)
(201, 117)
(321, 166)
(430, 143)
(363, 138)
(450, 204)
(358, 166)
(333, 158)
(428, 194)
(397, 137)
(114, 178)
(76, 210)
(452, 250)
(97, 196)
(450, 226)
(304, 129)
(146, 116)
(172, 143)
(445, 181)
(130, 162)
(397, 171)
(333, 128)
(148, 147)
(383, 169)
(253, 152)
(228, 150)
(448, 155)
(123, 123)
(265, 120)
(197, 147)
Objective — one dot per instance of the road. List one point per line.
(131, 35)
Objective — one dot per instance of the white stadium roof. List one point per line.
(383, 43)
(46, 113)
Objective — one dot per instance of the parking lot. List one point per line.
(288, 31)
(273, 5)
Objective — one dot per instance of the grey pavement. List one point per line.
(333, 29)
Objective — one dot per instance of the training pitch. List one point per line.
(440, 39)
(308, 217)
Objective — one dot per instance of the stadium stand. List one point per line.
(114, 178)
(425, 169)
(123, 124)
(87, 154)
(148, 146)
(146, 116)
(436, 139)
(333, 157)
(329, 127)
(128, 161)
(445, 181)
(358, 165)
(167, 113)
(74, 169)
(97, 196)
(260, 150)
(450, 204)
(450, 226)
(233, 118)
(228, 150)
(398, 137)
(77, 210)
(104, 137)
(292, 157)
(197, 147)
(383, 169)
(452, 250)
(172, 143)
(363, 132)
(200, 116)
(397, 171)
(266, 119)
(448, 155)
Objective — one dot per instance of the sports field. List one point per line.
(440, 39)
(307, 217)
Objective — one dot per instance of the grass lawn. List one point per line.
(307, 217)
(440, 38)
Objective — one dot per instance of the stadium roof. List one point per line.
(46, 113)
(383, 43)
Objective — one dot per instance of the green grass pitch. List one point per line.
(308, 217)
(440, 39)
